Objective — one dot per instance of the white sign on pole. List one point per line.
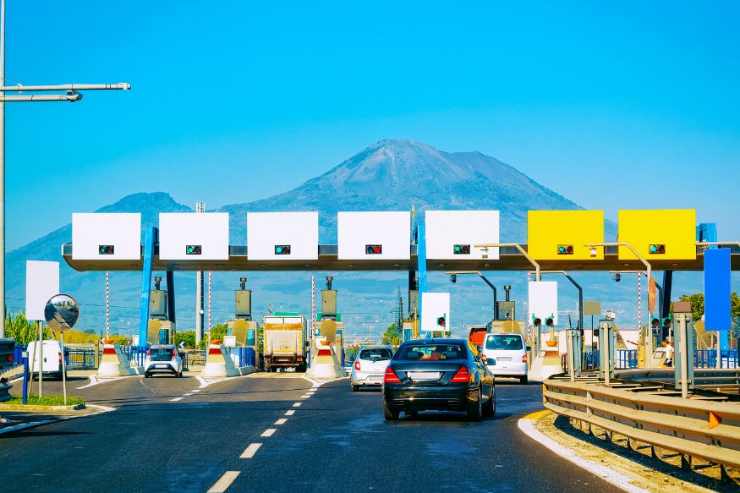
(42, 282)
(543, 301)
(433, 307)
(452, 235)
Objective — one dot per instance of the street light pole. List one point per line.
(71, 94)
(521, 250)
(485, 279)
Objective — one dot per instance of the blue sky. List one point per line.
(613, 105)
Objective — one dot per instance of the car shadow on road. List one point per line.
(31, 434)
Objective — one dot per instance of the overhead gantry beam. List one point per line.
(510, 259)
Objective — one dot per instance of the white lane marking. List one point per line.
(305, 397)
(290, 412)
(268, 432)
(16, 380)
(297, 404)
(251, 449)
(176, 399)
(187, 395)
(224, 482)
(195, 391)
(280, 421)
(94, 381)
(23, 426)
(611, 476)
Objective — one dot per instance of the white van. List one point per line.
(506, 355)
(51, 358)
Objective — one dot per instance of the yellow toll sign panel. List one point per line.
(563, 235)
(665, 234)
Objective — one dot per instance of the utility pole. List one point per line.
(70, 94)
(107, 305)
(200, 206)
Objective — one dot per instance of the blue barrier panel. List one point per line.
(717, 286)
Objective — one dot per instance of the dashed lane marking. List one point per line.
(268, 432)
(176, 399)
(224, 482)
(297, 404)
(280, 421)
(290, 412)
(251, 449)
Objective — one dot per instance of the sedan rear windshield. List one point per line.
(375, 354)
(431, 352)
(504, 342)
(161, 354)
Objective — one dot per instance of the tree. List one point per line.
(392, 335)
(218, 331)
(697, 304)
(186, 336)
(18, 327)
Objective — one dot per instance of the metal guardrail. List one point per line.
(695, 428)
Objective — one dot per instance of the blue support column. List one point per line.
(150, 237)
(421, 260)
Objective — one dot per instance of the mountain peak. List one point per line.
(145, 201)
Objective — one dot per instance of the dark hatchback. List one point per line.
(438, 374)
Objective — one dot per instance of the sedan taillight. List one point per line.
(461, 376)
(524, 358)
(390, 376)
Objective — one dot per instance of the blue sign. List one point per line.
(717, 289)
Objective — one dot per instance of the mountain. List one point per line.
(389, 175)
(400, 174)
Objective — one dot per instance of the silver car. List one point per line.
(369, 366)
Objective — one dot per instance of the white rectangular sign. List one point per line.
(106, 236)
(543, 301)
(453, 235)
(283, 235)
(373, 235)
(433, 307)
(194, 236)
(42, 282)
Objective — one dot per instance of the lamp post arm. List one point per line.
(495, 295)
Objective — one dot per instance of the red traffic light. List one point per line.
(373, 249)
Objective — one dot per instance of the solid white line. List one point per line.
(16, 380)
(176, 399)
(224, 482)
(268, 432)
(281, 421)
(251, 449)
(611, 476)
(297, 404)
(290, 412)
(23, 426)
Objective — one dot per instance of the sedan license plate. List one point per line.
(503, 359)
(423, 376)
(375, 379)
(161, 366)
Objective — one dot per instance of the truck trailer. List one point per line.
(284, 341)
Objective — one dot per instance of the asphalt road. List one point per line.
(174, 435)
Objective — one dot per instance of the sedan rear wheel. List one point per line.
(475, 408)
(389, 413)
(355, 388)
(489, 408)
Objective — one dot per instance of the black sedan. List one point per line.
(442, 374)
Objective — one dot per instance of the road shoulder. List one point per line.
(627, 470)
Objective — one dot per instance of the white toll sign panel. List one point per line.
(373, 235)
(543, 301)
(283, 235)
(452, 235)
(106, 236)
(42, 283)
(435, 312)
(194, 236)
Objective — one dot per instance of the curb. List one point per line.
(38, 408)
(33, 424)
(617, 479)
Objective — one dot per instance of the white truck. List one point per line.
(283, 341)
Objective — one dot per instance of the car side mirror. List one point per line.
(483, 358)
(529, 348)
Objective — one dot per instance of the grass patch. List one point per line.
(48, 400)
